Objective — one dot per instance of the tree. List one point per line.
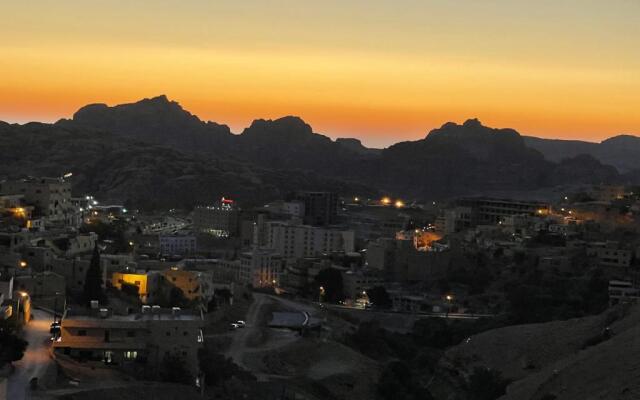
(11, 346)
(93, 281)
(330, 279)
(379, 297)
(174, 369)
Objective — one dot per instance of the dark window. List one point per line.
(82, 332)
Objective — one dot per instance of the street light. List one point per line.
(449, 299)
(23, 264)
(320, 294)
(22, 296)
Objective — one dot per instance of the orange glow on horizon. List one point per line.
(382, 74)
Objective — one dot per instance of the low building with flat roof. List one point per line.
(137, 341)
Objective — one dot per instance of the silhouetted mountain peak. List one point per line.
(154, 120)
(289, 125)
(159, 99)
(472, 123)
(479, 141)
(622, 140)
(159, 107)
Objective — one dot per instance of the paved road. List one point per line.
(416, 314)
(36, 358)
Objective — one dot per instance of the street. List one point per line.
(36, 358)
(275, 339)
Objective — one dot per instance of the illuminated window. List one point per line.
(130, 355)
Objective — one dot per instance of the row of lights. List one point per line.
(385, 201)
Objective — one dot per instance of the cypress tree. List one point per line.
(93, 280)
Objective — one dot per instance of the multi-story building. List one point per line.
(134, 340)
(623, 292)
(298, 241)
(177, 245)
(355, 283)
(260, 267)
(50, 196)
(320, 208)
(399, 260)
(609, 254)
(70, 245)
(488, 211)
(221, 220)
(38, 258)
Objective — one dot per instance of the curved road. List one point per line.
(276, 338)
(36, 358)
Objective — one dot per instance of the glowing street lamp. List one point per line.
(449, 300)
(386, 201)
(23, 295)
(23, 264)
(399, 204)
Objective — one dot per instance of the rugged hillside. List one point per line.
(621, 151)
(155, 120)
(290, 143)
(282, 143)
(472, 158)
(142, 174)
(560, 360)
(271, 156)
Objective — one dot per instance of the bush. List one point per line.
(11, 346)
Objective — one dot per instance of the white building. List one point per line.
(260, 267)
(177, 244)
(297, 241)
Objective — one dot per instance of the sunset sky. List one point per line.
(382, 71)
